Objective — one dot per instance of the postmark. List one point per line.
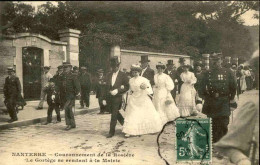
(193, 140)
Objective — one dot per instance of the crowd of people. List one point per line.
(149, 96)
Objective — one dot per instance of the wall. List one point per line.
(54, 53)
(129, 57)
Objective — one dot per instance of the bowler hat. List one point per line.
(10, 69)
(198, 63)
(170, 62)
(100, 71)
(181, 60)
(46, 67)
(161, 65)
(75, 68)
(114, 61)
(83, 68)
(66, 64)
(60, 67)
(144, 58)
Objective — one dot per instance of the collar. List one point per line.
(115, 73)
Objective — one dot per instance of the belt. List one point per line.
(217, 95)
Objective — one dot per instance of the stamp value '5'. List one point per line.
(193, 140)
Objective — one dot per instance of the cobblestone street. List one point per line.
(89, 140)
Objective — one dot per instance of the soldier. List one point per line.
(85, 84)
(45, 79)
(71, 89)
(12, 90)
(147, 72)
(100, 88)
(218, 89)
(173, 74)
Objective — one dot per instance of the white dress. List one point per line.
(140, 116)
(187, 96)
(162, 92)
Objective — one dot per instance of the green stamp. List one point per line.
(193, 140)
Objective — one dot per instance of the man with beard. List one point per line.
(147, 72)
(218, 89)
(71, 89)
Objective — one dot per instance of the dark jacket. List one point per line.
(121, 84)
(12, 87)
(85, 81)
(218, 87)
(100, 87)
(70, 86)
(149, 74)
(52, 89)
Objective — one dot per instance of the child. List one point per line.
(53, 101)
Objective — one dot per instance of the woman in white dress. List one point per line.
(141, 116)
(162, 99)
(242, 79)
(186, 104)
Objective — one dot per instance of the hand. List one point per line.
(244, 162)
(104, 102)
(78, 95)
(114, 92)
(52, 97)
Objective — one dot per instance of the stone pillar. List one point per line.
(46, 57)
(235, 60)
(19, 66)
(206, 60)
(71, 36)
(115, 51)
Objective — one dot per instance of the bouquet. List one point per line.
(168, 101)
(143, 86)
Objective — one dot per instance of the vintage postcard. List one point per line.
(129, 82)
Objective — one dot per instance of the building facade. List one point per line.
(28, 53)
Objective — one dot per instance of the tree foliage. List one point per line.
(191, 28)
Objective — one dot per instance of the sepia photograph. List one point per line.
(129, 82)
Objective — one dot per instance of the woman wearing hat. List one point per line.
(187, 105)
(141, 116)
(163, 100)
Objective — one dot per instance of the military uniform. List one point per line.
(12, 91)
(70, 88)
(218, 87)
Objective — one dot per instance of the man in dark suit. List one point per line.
(12, 91)
(85, 84)
(117, 85)
(173, 74)
(100, 88)
(147, 72)
(71, 89)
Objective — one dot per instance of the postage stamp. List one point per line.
(193, 140)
